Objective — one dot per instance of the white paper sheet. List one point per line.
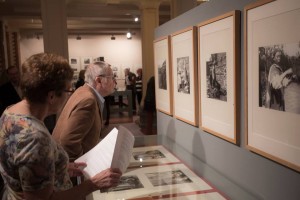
(114, 151)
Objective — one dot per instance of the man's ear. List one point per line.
(50, 97)
(98, 79)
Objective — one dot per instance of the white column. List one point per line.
(149, 21)
(55, 27)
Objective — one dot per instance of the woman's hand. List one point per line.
(75, 169)
(107, 178)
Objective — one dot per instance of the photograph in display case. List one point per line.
(173, 179)
(126, 183)
(163, 80)
(146, 155)
(219, 61)
(168, 178)
(152, 155)
(272, 80)
(184, 73)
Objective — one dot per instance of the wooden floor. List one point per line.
(131, 123)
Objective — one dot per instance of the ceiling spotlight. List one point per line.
(136, 19)
(78, 37)
(112, 37)
(128, 35)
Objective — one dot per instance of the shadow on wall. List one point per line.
(171, 132)
(199, 152)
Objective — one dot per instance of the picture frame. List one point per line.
(184, 75)
(75, 63)
(163, 78)
(219, 67)
(272, 102)
(75, 79)
(85, 61)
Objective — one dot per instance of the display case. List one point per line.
(167, 171)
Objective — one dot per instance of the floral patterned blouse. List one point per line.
(30, 159)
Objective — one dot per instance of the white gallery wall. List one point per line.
(121, 53)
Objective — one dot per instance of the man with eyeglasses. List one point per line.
(79, 125)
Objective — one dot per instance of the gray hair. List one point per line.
(95, 69)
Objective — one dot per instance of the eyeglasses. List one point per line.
(69, 91)
(109, 76)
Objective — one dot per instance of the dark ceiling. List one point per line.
(99, 17)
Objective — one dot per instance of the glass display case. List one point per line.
(161, 169)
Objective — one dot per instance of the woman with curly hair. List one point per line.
(32, 164)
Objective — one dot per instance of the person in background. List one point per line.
(130, 79)
(33, 165)
(139, 85)
(80, 81)
(10, 92)
(79, 125)
(277, 80)
(108, 100)
(150, 105)
(3, 76)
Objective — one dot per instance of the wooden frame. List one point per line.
(163, 78)
(219, 60)
(184, 73)
(272, 27)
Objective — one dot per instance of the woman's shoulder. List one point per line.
(275, 66)
(23, 130)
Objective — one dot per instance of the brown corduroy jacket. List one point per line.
(79, 124)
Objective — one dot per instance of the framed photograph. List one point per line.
(85, 61)
(272, 80)
(162, 71)
(116, 70)
(219, 64)
(75, 78)
(175, 179)
(75, 63)
(153, 155)
(184, 73)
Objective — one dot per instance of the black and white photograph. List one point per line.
(162, 76)
(168, 178)
(86, 60)
(217, 76)
(115, 70)
(73, 61)
(183, 75)
(272, 88)
(127, 183)
(146, 155)
(163, 80)
(279, 77)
